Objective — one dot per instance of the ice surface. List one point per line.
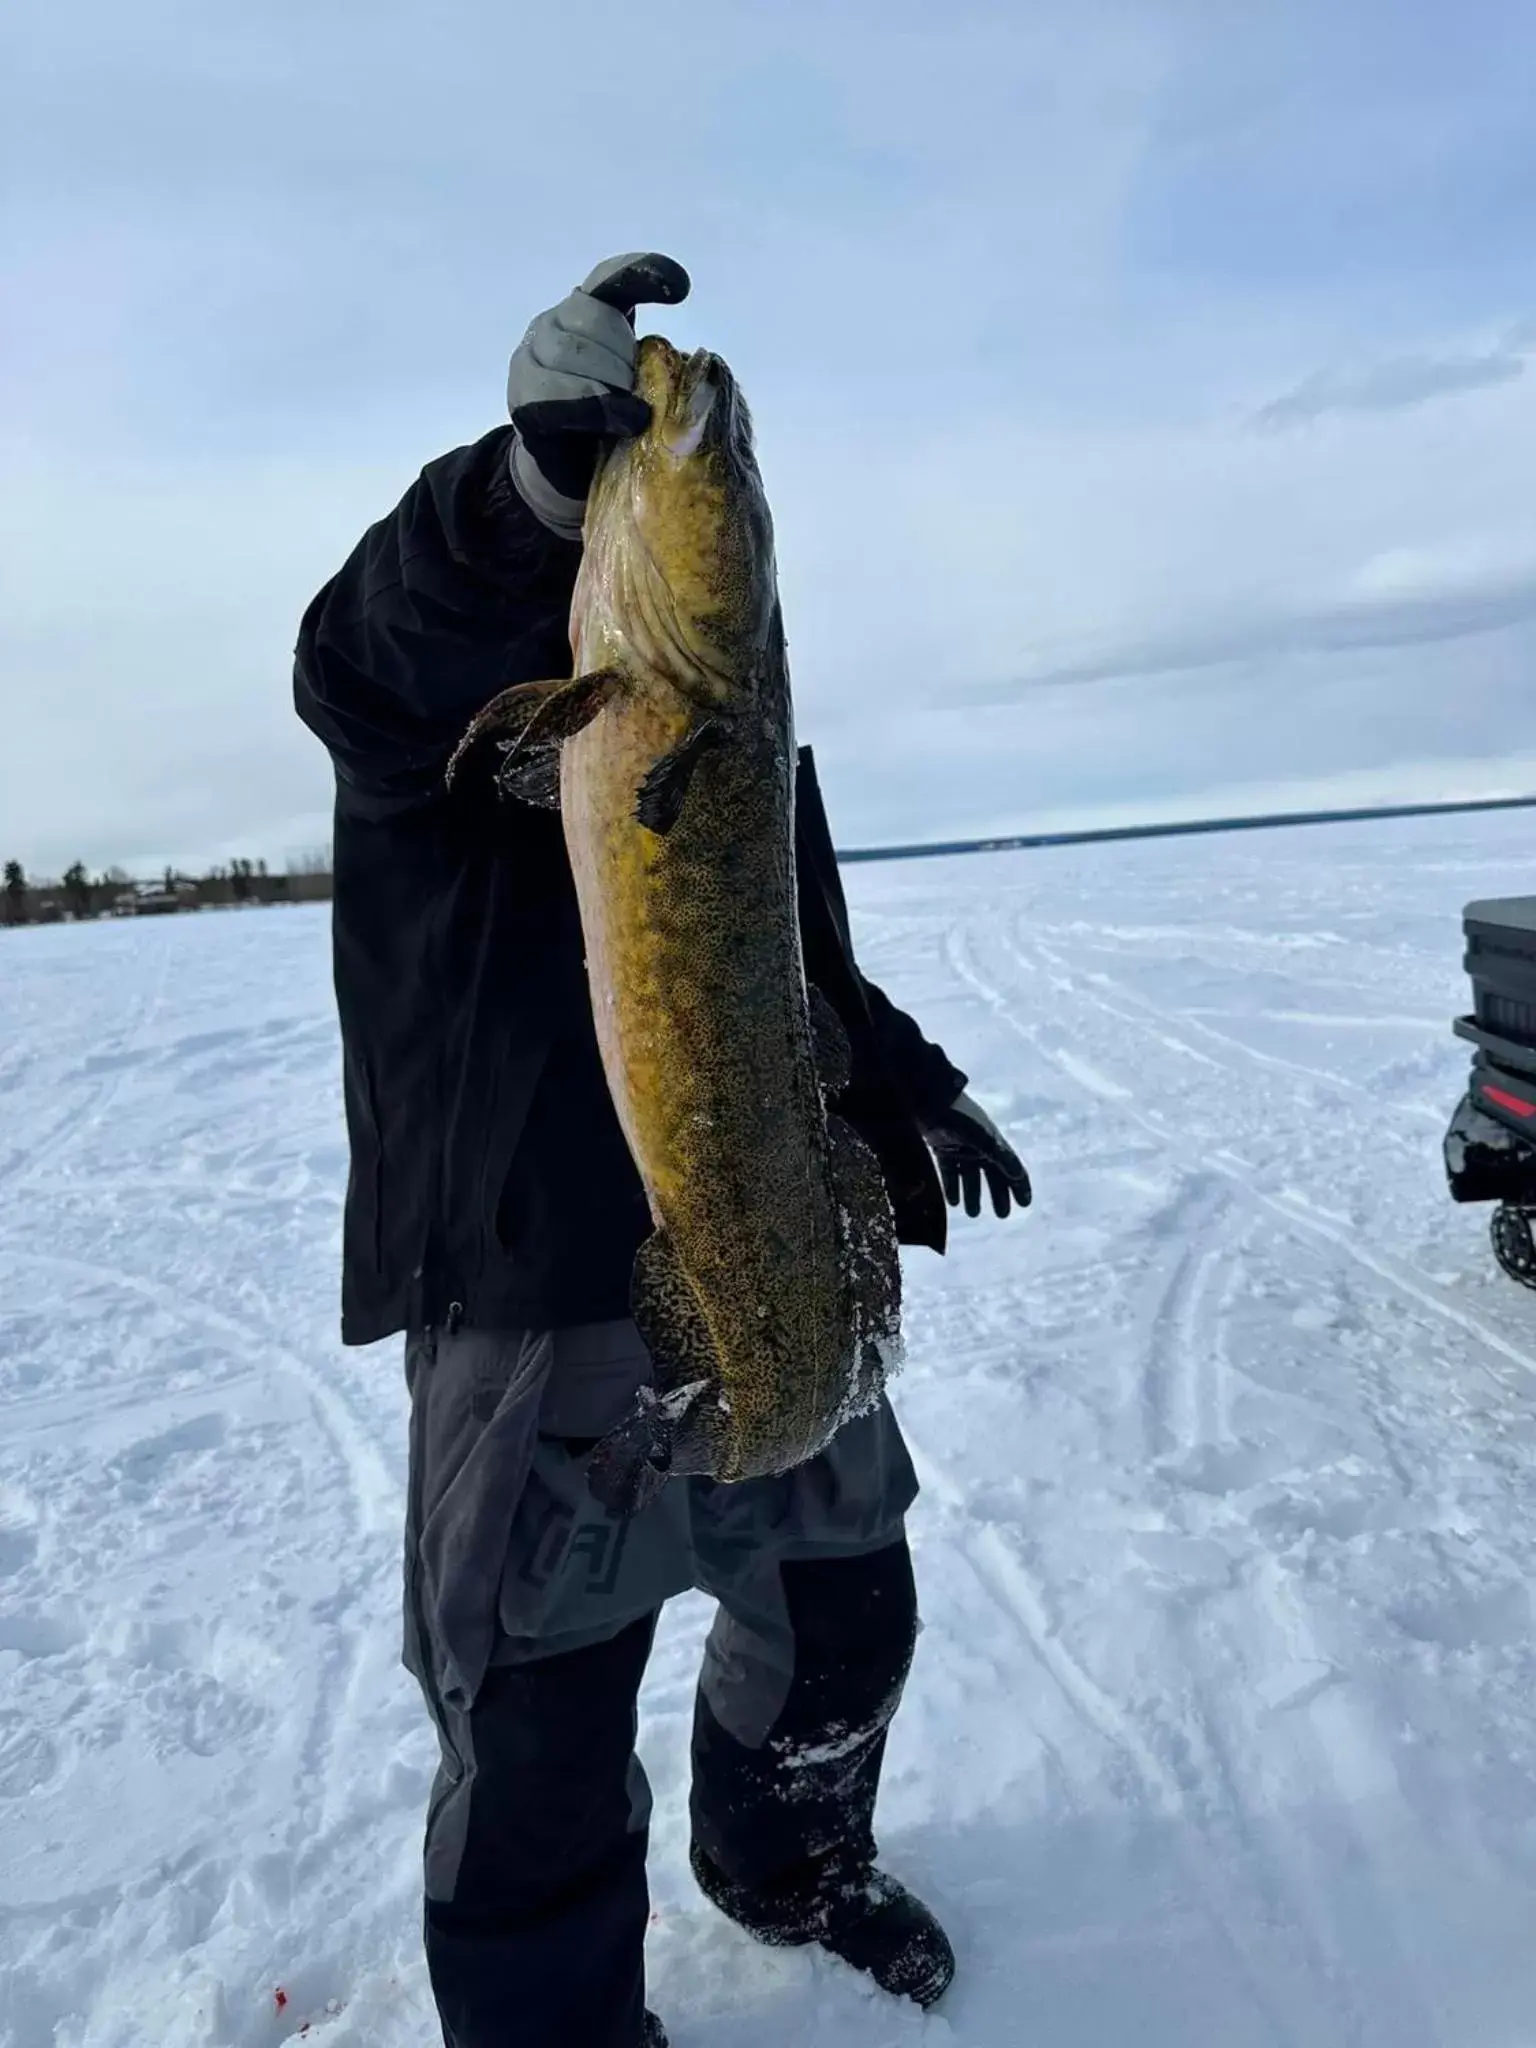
(1223, 1727)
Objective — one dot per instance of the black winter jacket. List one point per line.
(489, 1179)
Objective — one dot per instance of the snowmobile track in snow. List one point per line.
(1221, 1726)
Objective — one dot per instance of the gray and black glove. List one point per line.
(571, 383)
(971, 1149)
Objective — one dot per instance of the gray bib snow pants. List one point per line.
(517, 1582)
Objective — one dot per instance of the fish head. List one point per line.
(697, 410)
(678, 571)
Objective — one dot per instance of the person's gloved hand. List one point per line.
(970, 1148)
(570, 385)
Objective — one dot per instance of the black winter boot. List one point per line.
(854, 1912)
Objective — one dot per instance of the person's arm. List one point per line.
(459, 590)
(969, 1147)
(466, 586)
(927, 1077)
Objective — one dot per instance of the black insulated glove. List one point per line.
(571, 383)
(971, 1149)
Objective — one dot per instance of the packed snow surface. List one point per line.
(1223, 1727)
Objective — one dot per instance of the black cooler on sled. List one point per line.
(1490, 1148)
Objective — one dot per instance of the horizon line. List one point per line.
(1098, 835)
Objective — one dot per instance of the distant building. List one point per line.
(155, 899)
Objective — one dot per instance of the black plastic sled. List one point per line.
(1490, 1148)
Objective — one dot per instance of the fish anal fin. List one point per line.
(659, 804)
(834, 1053)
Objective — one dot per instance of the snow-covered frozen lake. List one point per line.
(1223, 1728)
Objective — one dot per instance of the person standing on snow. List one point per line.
(493, 1214)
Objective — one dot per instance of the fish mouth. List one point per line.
(695, 404)
(701, 404)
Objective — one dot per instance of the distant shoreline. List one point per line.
(1015, 842)
(46, 903)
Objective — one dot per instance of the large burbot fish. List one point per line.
(769, 1292)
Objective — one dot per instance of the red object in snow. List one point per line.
(279, 1999)
(1505, 1100)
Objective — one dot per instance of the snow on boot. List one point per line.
(651, 2034)
(855, 1912)
(891, 1936)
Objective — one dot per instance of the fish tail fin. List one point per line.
(666, 1434)
(871, 1263)
(633, 1462)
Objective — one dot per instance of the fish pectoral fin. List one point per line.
(531, 769)
(571, 706)
(532, 719)
(834, 1053)
(659, 803)
(871, 1262)
(533, 778)
(510, 712)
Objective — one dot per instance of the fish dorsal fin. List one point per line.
(834, 1053)
(871, 1263)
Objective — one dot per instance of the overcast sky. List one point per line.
(1146, 392)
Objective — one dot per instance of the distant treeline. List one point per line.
(77, 896)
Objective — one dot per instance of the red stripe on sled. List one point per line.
(1509, 1101)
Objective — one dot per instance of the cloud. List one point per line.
(997, 280)
(1391, 386)
(1283, 728)
(1394, 601)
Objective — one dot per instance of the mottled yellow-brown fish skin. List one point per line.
(692, 936)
